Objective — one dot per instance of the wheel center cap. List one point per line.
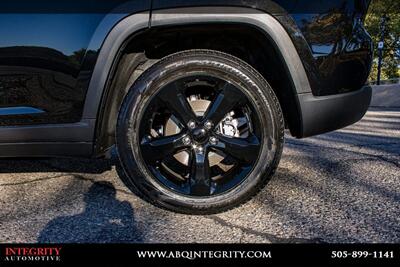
(200, 135)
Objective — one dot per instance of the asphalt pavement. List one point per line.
(338, 187)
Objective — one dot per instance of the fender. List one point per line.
(132, 24)
(106, 58)
(180, 16)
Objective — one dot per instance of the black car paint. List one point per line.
(327, 34)
(48, 57)
(48, 52)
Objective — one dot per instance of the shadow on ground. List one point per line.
(96, 224)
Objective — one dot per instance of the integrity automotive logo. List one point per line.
(31, 254)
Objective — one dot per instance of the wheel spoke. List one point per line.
(175, 166)
(243, 149)
(160, 148)
(175, 100)
(227, 99)
(200, 180)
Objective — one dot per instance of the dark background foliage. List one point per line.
(391, 56)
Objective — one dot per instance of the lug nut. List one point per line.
(187, 141)
(192, 124)
(199, 149)
(208, 125)
(213, 140)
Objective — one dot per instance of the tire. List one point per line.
(249, 157)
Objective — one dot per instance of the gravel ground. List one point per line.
(338, 187)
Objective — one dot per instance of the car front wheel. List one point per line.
(200, 132)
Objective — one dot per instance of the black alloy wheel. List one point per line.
(199, 135)
(199, 132)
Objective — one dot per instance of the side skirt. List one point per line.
(38, 149)
(48, 140)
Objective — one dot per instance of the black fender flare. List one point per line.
(181, 16)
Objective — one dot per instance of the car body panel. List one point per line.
(48, 52)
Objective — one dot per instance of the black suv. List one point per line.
(194, 95)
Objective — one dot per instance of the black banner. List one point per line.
(200, 254)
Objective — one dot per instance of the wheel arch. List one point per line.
(112, 69)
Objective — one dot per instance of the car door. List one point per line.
(47, 54)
